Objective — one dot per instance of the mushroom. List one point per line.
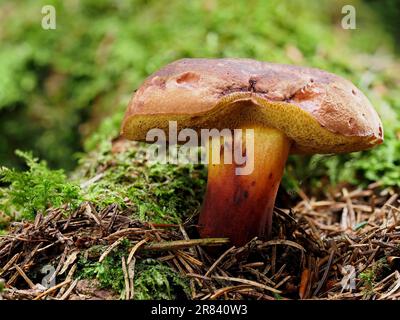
(292, 110)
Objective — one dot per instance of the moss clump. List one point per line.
(35, 189)
(158, 281)
(152, 192)
(372, 275)
(108, 272)
(153, 280)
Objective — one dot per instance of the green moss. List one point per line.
(4, 222)
(149, 192)
(156, 192)
(373, 274)
(2, 285)
(158, 281)
(35, 189)
(108, 273)
(153, 280)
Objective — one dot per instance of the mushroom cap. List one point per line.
(319, 111)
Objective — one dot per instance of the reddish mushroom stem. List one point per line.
(240, 206)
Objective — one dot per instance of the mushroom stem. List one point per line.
(240, 207)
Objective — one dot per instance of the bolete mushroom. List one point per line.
(292, 109)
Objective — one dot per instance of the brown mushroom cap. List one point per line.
(321, 112)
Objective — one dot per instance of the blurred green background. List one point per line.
(64, 91)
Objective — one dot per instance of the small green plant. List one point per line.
(158, 282)
(108, 272)
(35, 189)
(277, 296)
(374, 274)
(153, 280)
(368, 279)
(2, 285)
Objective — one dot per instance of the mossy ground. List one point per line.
(168, 194)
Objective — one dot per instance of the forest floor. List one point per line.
(343, 247)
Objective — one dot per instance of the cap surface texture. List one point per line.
(319, 111)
